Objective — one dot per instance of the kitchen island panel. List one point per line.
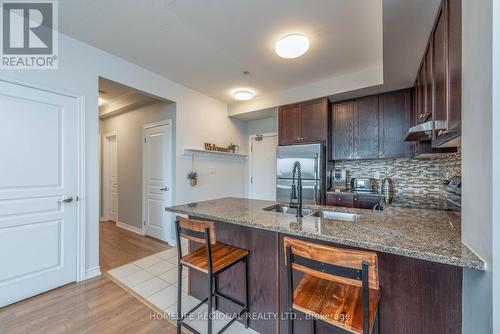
(263, 274)
(416, 296)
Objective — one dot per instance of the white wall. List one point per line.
(199, 118)
(129, 129)
(264, 125)
(480, 136)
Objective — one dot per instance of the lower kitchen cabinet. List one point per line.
(365, 201)
(351, 200)
(339, 199)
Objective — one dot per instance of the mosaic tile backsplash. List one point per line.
(409, 175)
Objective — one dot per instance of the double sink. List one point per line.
(322, 213)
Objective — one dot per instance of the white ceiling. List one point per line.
(207, 44)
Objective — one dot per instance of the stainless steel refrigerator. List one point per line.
(312, 158)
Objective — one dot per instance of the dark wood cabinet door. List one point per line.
(365, 201)
(314, 120)
(366, 128)
(289, 124)
(427, 111)
(454, 9)
(342, 128)
(439, 46)
(339, 199)
(394, 121)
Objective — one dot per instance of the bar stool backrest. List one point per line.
(195, 230)
(310, 258)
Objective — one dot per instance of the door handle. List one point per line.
(66, 199)
(164, 189)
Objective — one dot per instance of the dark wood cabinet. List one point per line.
(372, 127)
(438, 84)
(340, 199)
(342, 129)
(394, 121)
(289, 121)
(455, 66)
(305, 122)
(352, 200)
(365, 201)
(314, 120)
(366, 128)
(439, 74)
(448, 122)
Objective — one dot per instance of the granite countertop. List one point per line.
(431, 235)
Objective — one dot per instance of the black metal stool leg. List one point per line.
(216, 289)
(210, 309)
(313, 326)
(179, 298)
(247, 314)
(376, 326)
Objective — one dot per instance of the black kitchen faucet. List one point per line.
(296, 194)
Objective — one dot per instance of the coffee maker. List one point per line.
(338, 177)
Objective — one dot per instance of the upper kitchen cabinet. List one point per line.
(439, 44)
(448, 119)
(305, 122)
(289, 124)
(394, 121)
(372, 127)
(366, 128)
(314, 120)
(343, 130)
(438, 81)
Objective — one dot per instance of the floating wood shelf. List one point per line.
(214, 154)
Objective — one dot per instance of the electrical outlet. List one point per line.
(376, 175)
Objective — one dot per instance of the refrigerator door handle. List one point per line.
(316, 166)
(316, 192)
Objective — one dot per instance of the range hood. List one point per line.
(421, 132)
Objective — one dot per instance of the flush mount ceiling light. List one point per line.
(292, 46)
(243, 94)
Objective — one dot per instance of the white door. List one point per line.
(38, 189)
(110, 191)
(157, 176)
(263, 167)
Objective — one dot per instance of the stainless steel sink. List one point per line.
(286, 209)
(349, 217)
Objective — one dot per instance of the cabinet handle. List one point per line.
(442, 132)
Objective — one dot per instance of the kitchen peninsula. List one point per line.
(420, 254)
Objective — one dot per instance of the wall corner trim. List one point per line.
(92, 272)
(131, 228)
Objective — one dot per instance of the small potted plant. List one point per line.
(233, 148)
(193, 177)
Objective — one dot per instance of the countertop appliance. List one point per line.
(312, 159)
(453, 188)
(388, 190)
(339, 179)
(364, 185)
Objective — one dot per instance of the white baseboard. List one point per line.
(131, 228)
(92, 272)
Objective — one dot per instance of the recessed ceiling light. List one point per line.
(292, 46)
(243, 94)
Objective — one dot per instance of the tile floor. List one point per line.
(155, 279)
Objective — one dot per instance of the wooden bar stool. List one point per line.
(212, 260)
(340, 286)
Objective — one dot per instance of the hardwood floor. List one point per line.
(93, 306)
(119, 246)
